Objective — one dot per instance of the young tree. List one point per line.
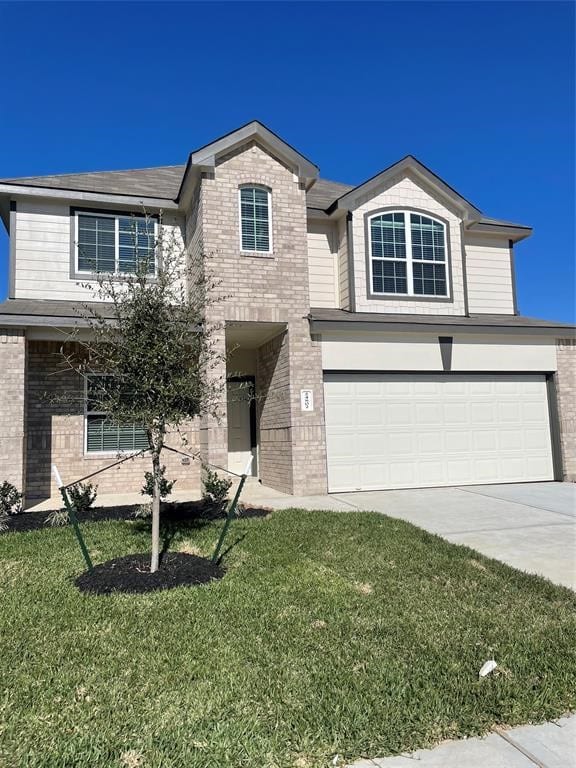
(153, 344)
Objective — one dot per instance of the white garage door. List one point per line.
(416, 430)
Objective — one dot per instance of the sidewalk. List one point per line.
(550, 745)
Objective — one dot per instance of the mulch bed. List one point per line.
(175, 512)
(132, 574)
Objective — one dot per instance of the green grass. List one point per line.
(331, 633)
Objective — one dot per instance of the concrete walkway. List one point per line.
(550, 745)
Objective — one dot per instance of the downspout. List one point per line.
(350, 244)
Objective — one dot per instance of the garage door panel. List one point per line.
(402, 431)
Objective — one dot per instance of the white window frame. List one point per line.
(409, 258)
(116, 217)
(254, 252)
(87, 413)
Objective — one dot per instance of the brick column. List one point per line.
(309, 470)
(566, 388)
(12, 406)
(213, 429)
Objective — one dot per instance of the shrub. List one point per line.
(82, 496)
(165, 485)
(215, 488)
(10, 499)
(143, 511)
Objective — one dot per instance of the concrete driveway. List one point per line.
(531, 526)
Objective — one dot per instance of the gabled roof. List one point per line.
(323, 193)
(324, 197)
(207, 155)
(162, 182)
(408, 164)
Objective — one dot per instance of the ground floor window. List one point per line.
(102, 434)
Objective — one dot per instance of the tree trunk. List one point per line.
(155, 513)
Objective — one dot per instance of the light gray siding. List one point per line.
(343, 278)
(489, 275)
(322, 264)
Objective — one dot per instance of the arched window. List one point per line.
(255, 219)
(408, 254)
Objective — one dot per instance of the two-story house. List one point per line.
(376, 325)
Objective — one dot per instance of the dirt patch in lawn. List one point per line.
(132, 574)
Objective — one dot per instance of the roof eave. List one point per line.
(130, 201)
(515, 233)
(323, 325)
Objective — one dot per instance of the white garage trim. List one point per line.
(408, 430)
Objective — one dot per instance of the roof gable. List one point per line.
(409, 165)
(207, 155)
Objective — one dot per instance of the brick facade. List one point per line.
(266, 289)
(255, 290)
(13, 411)
(55, 433)
(566, 389)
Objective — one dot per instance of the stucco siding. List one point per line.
(421, 352)
(404, 192)
(322, 264)
(489, 275)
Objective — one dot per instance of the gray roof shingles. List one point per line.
(59, 310)
(164, 182)
(389, 318)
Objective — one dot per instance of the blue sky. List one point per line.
(482, 93)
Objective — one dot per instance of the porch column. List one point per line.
(12, 406)
(309, 471)
(213, 429)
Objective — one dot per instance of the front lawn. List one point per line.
(346, 633)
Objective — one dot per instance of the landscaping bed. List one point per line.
(131, 573)
(330, 633)
(171, 512)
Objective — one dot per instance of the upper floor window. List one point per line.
(408, 255)
(115, 244)
(255, 232)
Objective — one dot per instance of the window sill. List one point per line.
(408, 297)
(116, 277)
(110, 454)
(257, 254)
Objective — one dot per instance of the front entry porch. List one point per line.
(248, 389)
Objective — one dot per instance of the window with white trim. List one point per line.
(255, 231)
(408, 260)
(102, 434)
(115, 244)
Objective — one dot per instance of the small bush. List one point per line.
(143, 511)
(215, 488)
(82, 496)
(58, 517)
(165, 485)
(10, 499)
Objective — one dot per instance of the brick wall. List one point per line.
(267, 288)
(274, 416)
(56, 434)
(12, 413)
(566, 388)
